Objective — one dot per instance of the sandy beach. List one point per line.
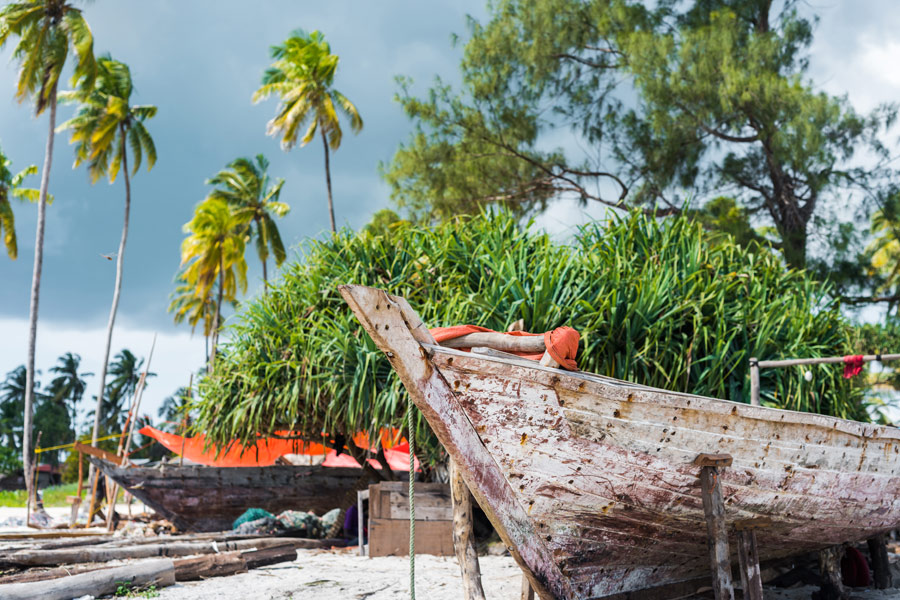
(343, 574)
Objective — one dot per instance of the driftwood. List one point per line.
(35, 558)
(464, 536)
(498, 341)
(209, 565)
(160, 572)
(44, 574)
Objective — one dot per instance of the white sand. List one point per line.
(345, 575)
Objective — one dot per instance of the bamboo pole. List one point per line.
(832, 360)
(138, 394)
(756, 365)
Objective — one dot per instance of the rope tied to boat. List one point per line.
(412, 504)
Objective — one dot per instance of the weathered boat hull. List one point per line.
(590, 480)
(201, 498)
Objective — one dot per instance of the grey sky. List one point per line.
(199, 62)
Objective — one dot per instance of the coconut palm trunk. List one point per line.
(120, 263)
(328, 180)
(218, 319)
(263, 259)
(35, 296)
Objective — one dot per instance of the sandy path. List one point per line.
(344, 575)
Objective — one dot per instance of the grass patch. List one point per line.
(55, 495)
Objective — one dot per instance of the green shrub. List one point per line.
(657, 303)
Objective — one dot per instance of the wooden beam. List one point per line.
(158, 572)
(881, 567)
(527, 592)
(830, 566)
(716, 529)
(464, 536)
(713, 460)
(754, 382)
(748, 557)
(98, 452)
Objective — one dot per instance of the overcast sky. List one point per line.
(199, 62)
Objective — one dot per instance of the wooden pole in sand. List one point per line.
(464, 536)
(142, 383)
(716, 528)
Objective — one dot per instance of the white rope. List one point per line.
(412, 504)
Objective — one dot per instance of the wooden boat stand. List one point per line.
(748, 556)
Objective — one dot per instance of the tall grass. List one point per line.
(657, 303)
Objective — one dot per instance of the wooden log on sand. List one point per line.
(62, 556)
(159, 572)
(230, 563)
(186, 569)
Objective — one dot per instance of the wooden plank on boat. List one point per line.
(713, 460)
(533, 344)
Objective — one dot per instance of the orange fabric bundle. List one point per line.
(561, 343)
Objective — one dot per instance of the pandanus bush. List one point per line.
(657, 303)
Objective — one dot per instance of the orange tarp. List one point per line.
(561, 343)
(267, 450)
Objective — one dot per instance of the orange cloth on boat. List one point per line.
(561, 343)
(266, 451)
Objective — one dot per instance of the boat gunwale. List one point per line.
(709, 404)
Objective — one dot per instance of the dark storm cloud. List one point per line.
(199, 62)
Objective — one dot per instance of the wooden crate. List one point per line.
(389, 519)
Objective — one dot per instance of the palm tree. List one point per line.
(190, 307)
(11, 187)
(245, 186)
(176, 409)
(302, 77)
(68, 386)
(125, 373)
(104, 127)
(45, 30)
(213, 253)
(12, 407)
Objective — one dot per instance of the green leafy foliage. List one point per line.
(106, 124)
(659, 100)
(11, 187)
(657, 303)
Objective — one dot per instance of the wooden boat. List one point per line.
(590, 481)
(202, 498)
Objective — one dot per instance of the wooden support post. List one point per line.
(527, 592)
(754, 382)
(361, 495)
(464, 536)
(881, 567)
(751, 580)
(830, 565)
(716, 529)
